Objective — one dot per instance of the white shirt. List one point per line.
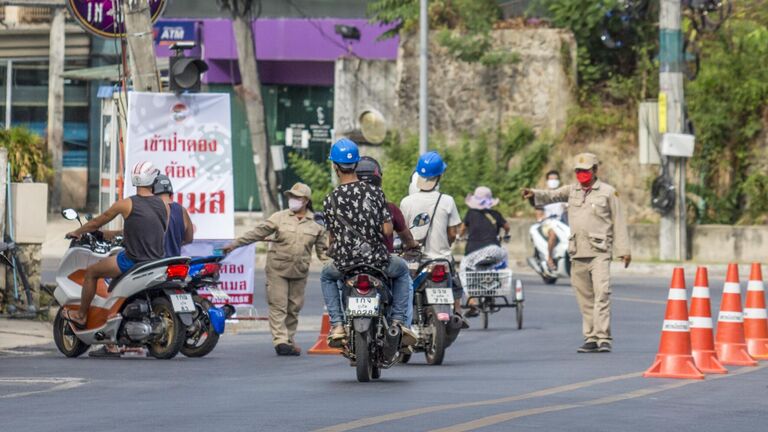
(554, 210)
(447, 215)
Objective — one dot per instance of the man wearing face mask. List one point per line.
(292, 233)
(598, 232)
(551, 211)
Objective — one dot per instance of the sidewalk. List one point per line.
(15, 333)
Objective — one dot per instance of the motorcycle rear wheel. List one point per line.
(435, 350)
(363, 364)
(65, 338)
(175, 332)
(211, 337)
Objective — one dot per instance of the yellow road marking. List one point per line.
(511, 415)
(370, 421)
(569, 293)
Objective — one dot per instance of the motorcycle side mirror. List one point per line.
(319, 219)
(88, 216)
(421, 219)
(71, 214)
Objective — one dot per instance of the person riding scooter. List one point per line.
(547, 213)
(180, 230)
(357, 220)
(444, 220)
(145, 221)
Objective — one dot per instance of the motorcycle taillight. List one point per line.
(363, 284)
(177, 271)
(211, 269)
(438, 273)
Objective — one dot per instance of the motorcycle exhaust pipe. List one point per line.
(455, 323)
(392, 342)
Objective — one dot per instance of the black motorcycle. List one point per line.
(372, 344)
(435, 323)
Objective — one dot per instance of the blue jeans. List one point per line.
(401, 288)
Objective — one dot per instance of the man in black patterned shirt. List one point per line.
(357, 220)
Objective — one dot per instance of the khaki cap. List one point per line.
(300, 190)
(585, 161)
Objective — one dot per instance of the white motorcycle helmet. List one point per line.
(144, 174)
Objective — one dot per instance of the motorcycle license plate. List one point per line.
(218, 293)
(182, 303)
(363, 306)
(439, 296)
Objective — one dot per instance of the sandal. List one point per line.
(103, 352)
(67, 315)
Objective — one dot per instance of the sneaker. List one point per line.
(605, 347)
(336, 336)
(286, 350)
(408, 337)
(589, 347)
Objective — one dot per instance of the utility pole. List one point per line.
(423, 76)
(672, 230)
(55, 129)
(138, 31)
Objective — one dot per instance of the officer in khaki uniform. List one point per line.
(293, 233)
(598, 232)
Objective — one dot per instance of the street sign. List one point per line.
(104, 17)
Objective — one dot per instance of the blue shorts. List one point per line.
(123, 262)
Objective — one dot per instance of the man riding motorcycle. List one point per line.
(444, 222)
(357, 220)
(145, 221)
(369, 171)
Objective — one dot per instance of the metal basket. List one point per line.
(487, 283)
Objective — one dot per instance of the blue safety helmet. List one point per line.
(430, 165)
(344, 151)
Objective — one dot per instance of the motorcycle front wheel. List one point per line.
(65, 338)
(170, 342)
(364, 366)
(203, 339)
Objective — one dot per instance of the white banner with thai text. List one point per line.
(187, 137)
(237, 268)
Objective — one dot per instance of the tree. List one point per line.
(242, 12)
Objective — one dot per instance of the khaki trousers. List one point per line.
(285, 298)
(591, 281)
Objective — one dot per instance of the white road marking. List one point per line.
(59, 383)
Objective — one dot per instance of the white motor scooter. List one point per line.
(144, 307)
(538, 261)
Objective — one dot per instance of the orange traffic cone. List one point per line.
(321, 346)
(730, 344)
(702, 339)
(674, 359)
(755, 322)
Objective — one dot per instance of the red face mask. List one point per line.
(584, 177)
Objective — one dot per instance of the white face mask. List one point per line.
(295, 204)
(553, 183)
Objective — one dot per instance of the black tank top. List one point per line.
(144, 229)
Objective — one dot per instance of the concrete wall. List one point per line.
(467, 96)
(710, 243)
(361, 84)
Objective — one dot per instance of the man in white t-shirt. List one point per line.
(429, 201)
(549, 212)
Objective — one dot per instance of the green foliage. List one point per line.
(27, 154)
(505, 162)
(464, 26)
(316, 175)
(726, 103)
(594, 119)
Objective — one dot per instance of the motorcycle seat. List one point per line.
(163, 262)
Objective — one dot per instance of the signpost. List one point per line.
(105, 18)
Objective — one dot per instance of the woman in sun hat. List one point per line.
(481, 223)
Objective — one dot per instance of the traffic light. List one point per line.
(184, 72)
